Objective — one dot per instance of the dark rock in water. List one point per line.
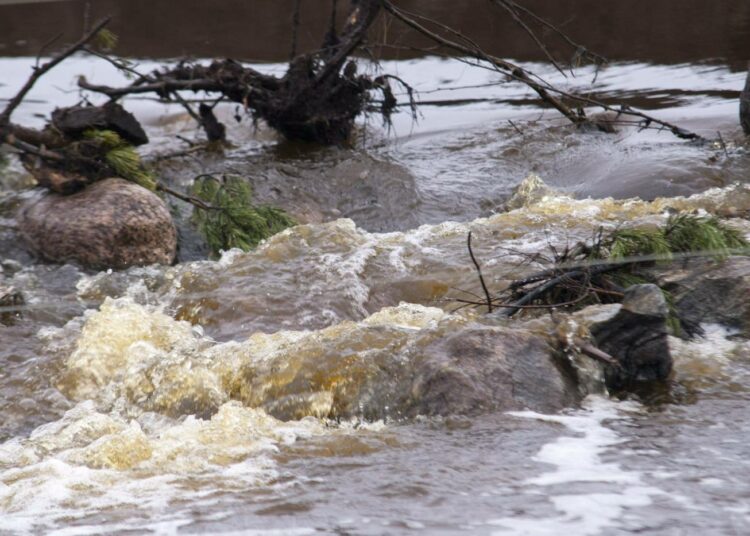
(637, 337)
(490, 368)
(9, 299)
(709, 291)
(111, 116)
(111, 224)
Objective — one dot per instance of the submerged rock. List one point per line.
(709, 291)
(485, 368)
(8, 267)
(398, 363)
(637, 337)
(530, 191)
(110, 224)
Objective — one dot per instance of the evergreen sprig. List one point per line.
(682, 233)
(686, 232)
(122, 157)
(234, 221)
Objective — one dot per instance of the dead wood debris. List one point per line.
(317, 99)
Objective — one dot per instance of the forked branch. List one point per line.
(38, 72)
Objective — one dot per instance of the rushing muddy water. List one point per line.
(140, 401)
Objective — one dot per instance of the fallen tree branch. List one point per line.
(40, 71)
(357, 24)
(506, 67)
(184, 197)
(499, 305)
(313, 101)
(595, 353)
(580, 50)
(511, 7)
(25, 147)
(541, 87)
(164, 86)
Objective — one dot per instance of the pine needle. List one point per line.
(122, 157)
(106, 39)
(628, 243)
(236, 222)
(687, 232)
(107, 138)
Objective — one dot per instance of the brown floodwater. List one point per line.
(139, 401)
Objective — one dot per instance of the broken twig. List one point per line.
(479, 272)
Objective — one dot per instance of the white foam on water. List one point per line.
(172, 528)
(714, 346)
(578, 460)
(117, 452)
(89, 463)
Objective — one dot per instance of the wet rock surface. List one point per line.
(637, 337)
(710, 291)
(483, 369)
(471, 370)
(111, 224)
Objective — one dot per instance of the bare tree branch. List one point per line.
(510, 8)
(479, 273)
(506, 67)
(40, 71)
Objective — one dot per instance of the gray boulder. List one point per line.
(111, 224)
(485, 368)
(709, 291)
(446, 369)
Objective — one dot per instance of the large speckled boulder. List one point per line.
(111, 224)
